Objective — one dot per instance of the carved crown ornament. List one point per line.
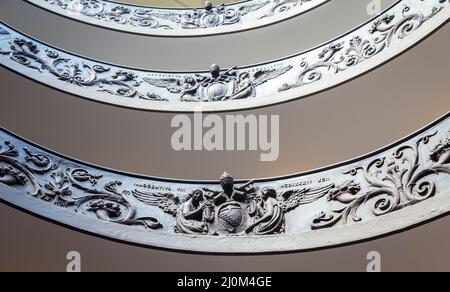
(207, 20)
(387, 35)
(399, 186)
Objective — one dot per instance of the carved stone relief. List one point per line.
(382, 38)
(179, 22)
(409, 173)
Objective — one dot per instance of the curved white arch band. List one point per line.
(396, 30)
(183, 22)
(402, 185)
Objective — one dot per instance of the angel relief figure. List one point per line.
(233, 210)
(219, 85)
(269, 217)
(194, 214)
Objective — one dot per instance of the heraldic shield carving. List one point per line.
(232, 210)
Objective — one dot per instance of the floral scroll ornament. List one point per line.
(114, 207)
(401, 177)
(163, 19)
(67, 188)
(120, 14)
(209, 16)
(395, 182)
(342, 55)
(234, 88)
(120, 83)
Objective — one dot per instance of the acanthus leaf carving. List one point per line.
(236, 88)
(394, 182)
(51, 183)
(57, 189)
(120, 83)
(340, 56)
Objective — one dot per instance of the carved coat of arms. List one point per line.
(233, 209)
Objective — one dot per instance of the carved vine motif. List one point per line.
(120, 14)
(212, 16)
(340, 56)
(54, 184)
(232, 210)
(123, 86)
(395, 182)
(168, 19)
(398, 179)
(119, 83)
(218, 86)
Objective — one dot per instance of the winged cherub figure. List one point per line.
(269, 213)
(191, 215)
(210, 15)
(233, 209)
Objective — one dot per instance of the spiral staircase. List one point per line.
(90, 88)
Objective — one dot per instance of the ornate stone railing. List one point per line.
(211, 19)
(391, 189)
(377, 41)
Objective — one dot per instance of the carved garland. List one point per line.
(166, 21)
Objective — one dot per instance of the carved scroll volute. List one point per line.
(8, 174)
(14, 172)
(106, 207)
(111, 205)
(180, 22)
(393, 182)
